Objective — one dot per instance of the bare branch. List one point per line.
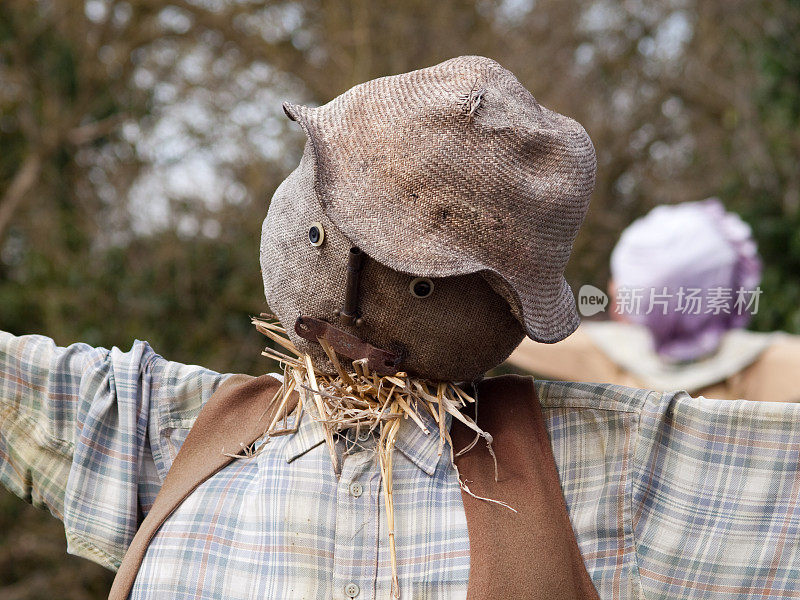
(23, 181)
(91, 131)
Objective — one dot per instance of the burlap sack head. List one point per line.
(454, 173)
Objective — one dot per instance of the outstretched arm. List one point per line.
(90, 433)
(716, 498)
(672, 496)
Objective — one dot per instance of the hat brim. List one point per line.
(426, 191)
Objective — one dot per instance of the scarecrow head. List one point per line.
(429, 222)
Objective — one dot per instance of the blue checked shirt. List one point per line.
(670, 496)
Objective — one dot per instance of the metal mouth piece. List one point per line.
(380, 361)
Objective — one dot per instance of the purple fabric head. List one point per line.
(694, 268)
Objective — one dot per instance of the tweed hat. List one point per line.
(457, 169)
(453, 173)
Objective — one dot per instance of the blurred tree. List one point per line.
(88, 89)
(764, 183)
(141, 140)
(159, 135)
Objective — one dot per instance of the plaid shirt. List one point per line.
(670, 496)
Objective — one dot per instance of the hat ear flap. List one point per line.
(291, 110)
(305, 117)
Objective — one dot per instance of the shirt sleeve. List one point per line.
(716, 498)
(90, 433)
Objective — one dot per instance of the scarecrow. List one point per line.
(422, 236)
(684, 283)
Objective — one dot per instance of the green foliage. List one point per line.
(189, 297)
(769, 197)
(721, 117)
(34, 564)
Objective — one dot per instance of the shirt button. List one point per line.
(356, 489)
(351, 590)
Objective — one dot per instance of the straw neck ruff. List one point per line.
(358, 399)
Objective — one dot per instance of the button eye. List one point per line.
(316, 234)
(421, 287)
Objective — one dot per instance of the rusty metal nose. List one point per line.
(348, 314)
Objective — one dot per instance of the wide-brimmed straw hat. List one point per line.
(453, 170)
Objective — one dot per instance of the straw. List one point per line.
(353, 398)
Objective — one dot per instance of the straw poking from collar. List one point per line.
(357, 399)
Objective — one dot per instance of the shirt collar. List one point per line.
(420, 448)
(308, 436)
